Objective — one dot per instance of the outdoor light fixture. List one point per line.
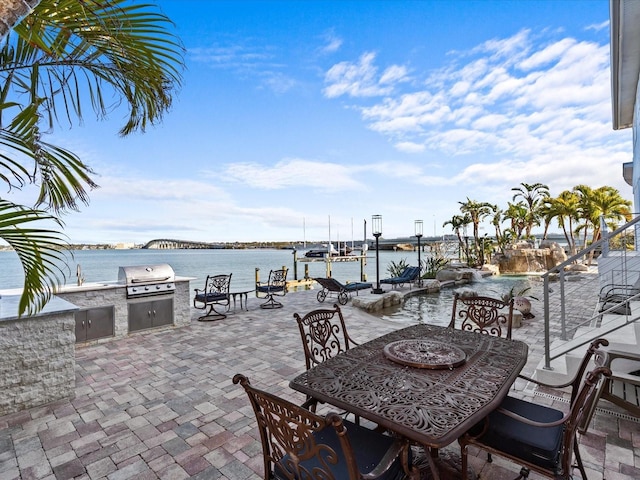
(418, 226)
(376, 229)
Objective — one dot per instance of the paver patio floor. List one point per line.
(161, 404)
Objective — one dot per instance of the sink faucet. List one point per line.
(79, 275)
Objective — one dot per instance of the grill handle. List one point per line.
(150, 280)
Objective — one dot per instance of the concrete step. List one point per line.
(563, 368)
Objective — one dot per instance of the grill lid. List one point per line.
(147, 279)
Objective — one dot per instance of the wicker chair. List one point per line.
(485, 315)
(298, 444)
(540, 438)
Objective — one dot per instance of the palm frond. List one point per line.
(41, 253)
(84, 45)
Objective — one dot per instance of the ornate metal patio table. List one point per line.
(432, 402)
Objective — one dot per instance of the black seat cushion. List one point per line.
(537, 445)
(269, 288)
(211, 297)
(369, 447)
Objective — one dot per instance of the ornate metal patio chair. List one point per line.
(486, 315)
(540, 438)
(215, 292)
(299, 444)
(324, 335)
(276, 286)
(623, 387)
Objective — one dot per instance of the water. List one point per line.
(435, 308)
(102, 266)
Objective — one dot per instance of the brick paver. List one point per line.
(161, 404)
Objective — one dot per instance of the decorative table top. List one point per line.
(430, 406)
(422, 353)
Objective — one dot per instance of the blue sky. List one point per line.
(292, 113)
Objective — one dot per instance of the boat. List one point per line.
(316, 254)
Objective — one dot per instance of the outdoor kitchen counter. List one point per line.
(38, 351)
(38, 354)
(9, 308)
(102, 299)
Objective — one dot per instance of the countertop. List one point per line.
(9, 308)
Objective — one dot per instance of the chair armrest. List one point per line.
(397, 448)
(549, 385)
(527, 421)
(609, 290)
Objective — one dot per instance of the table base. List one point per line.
(448, 463)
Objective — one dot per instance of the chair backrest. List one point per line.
(324, 335)
(278, 279)
(487, 315)
(218, 284)
(409, 273)
(293, 442)
(593, 353)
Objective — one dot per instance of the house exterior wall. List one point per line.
(636, 153)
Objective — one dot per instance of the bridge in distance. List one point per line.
(169, 244)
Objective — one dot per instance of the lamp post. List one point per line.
(418, 227)
(376, 229)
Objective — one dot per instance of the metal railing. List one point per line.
(573, 309)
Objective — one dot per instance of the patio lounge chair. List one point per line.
(614, 298)
(409, 275)
(331, 285)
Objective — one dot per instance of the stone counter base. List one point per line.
(38, 361)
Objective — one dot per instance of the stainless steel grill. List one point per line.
(147, 280)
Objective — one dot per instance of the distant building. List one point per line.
(124, 245)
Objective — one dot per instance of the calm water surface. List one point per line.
(102, 266)
(435, 308)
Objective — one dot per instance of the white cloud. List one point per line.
(361, 79)
(598, 26)
(332, 43)
(294, 173)
(519, 96)
(410, 147)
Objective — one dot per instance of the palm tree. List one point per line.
(496, 220)
(517, 214)
(605, 202)
(63, 55)
(478, 211)
(546, 212)
(457, 223)
(566, 209)
(532, 194)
